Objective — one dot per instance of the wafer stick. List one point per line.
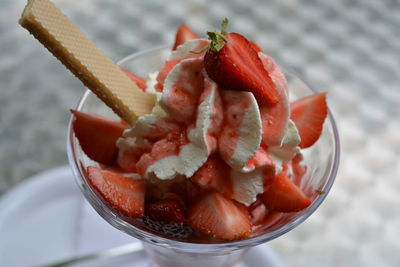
(85, 60)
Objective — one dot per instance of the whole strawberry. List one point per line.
(233, 63)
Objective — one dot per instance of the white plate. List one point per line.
(46, 219)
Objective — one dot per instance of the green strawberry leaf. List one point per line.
(218, 39)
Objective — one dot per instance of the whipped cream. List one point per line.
(207, 120)
(201, 144)
(290, 144)
(288, 149)
(151, 83)
(248, 182)
(246, 186)
(185, 50)
(182, 89)
(242, 133)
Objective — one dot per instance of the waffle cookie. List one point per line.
(85, 60)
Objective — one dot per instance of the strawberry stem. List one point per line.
(224, 27)
(218, 34)
(218, 39)
(201, 50)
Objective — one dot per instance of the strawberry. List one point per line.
(212, 175)
(186, 190)
(258, 212)
(140, 82)
(125, 194)
(285, 167)
(275, 117)
(97, 136)
(255, 46)
(127, 160)
(219, 217)
(162, 75)
(233, 64)
(128, 157)
(284, 196)
(183, 34)
(298, 169)
(167, 210)
(271, 220)
(309, 114)
(268, 177)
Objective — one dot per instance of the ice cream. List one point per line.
(210, 147)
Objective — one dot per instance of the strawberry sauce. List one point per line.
(181, 98)
(161, 149)
(234, 107)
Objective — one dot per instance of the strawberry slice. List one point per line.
(167, 210)
(219, 217)
(284, 196)
(275, 117)
(183, 34)
(162, 75)
(233, 63)
(125, 194)
(213, 175)
(97, 135)
(127, 159)
(309, 114)
(255, 46)
(140, 82)
(185, 191)
(258, 211)
(130, 153)
(299, 169)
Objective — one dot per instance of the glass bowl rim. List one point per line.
(143, 235)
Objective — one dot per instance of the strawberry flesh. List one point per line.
(167, 210)
(213, 175)
(299, 170)
(309, 114)
(255, 46)
(219, 217)
(284, 196)
(140, 82)
(124, 194)
(185, 190)
(275, 117)
(97, 136)
(162, 75)
(183, 34)
(258, 211)
(127, 158)
(236, 66)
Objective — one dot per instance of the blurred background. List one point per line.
(348, 48)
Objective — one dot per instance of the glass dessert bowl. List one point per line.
(321, 159)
